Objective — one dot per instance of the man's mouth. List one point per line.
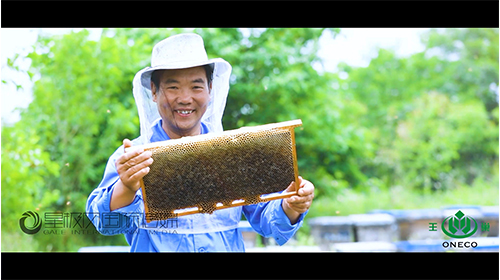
(184, 113)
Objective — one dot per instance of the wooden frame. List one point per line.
(283, 126)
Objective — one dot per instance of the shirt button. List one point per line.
(202, 249)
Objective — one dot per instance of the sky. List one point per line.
(354, 46)
(357, 46)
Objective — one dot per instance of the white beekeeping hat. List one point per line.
(179, 52)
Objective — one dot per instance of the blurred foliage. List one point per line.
(427, 123)
(433, 116)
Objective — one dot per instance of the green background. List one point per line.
(402, 133)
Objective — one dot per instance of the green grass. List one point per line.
(18, 242)
(14, 240)
(352, 202)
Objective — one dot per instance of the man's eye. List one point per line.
(172, 87)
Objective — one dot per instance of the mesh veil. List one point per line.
(148, 111)
(149, 116)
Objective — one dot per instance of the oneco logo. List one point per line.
(460, 244)
(37, 224)
(459, 225)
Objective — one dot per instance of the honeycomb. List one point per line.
(216, 171)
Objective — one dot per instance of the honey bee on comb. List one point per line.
(204, 173)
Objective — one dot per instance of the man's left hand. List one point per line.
(300, 203)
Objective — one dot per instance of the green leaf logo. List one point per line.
(459, 225)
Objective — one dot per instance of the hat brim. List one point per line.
(146, 75)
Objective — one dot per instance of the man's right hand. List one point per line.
(132, 166)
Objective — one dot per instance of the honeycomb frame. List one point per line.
(215, 171)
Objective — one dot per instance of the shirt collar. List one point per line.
(160, 135)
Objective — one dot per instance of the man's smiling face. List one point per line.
(182, 99)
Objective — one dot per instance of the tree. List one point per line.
(472, 55)
(25, 164)
(412, 136)
(442, 144)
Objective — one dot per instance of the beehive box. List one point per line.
(374, 227)
(329, 230)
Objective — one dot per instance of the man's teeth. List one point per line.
(185, 112)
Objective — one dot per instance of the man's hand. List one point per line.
(132, 166)
(298, 204)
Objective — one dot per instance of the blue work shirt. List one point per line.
(191, 233)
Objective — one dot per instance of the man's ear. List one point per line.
(153, 91)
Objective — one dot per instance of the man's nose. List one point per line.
(185, 97)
